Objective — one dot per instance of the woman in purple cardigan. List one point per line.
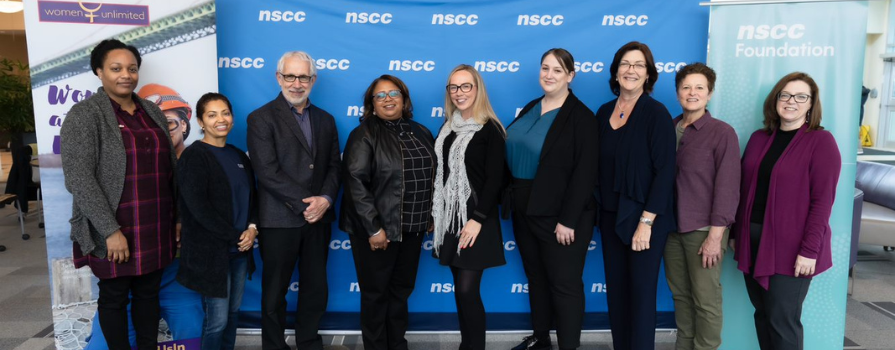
(782, 231)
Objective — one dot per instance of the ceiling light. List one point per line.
(7, 6)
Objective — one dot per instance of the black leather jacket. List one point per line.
(373, 173)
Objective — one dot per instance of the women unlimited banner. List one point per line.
(177, 42)
(752, 47)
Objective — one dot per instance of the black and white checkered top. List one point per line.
(418, 176)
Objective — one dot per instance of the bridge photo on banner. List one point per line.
(353, 42)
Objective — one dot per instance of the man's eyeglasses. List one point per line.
(465, 87)
(380, 96)
(800, 98)
(291, 78)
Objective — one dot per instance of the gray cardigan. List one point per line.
(94, 162)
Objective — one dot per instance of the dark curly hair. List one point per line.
(407, 112)
(101, 50)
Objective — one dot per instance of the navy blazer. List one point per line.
(567, 167)
(644, 171)
(287, 169)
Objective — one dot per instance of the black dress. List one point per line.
(485, 157)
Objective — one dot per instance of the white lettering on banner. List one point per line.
(518, 110)
(509, 245)
(428, 245)
(669, 67)
(622, 20)
(452, 19)
(355, 111)
(437, 112)
(332, 64)
(408, 65)
(598, 288)
(496, 66)
(592, 245)
(587, 67)
(441, 288)
(365, 17)
(354, 287)
(519, 288)
(764, 31)
(284, 16)
(340, 245)
(539, 20)
(240, 62)
(786, 50)
(293, 287)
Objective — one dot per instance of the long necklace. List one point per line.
(618, 105)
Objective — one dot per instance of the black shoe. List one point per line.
(532, 343)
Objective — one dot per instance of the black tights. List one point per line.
(470, 309)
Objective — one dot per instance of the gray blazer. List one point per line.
(286, 168)
(94, 161)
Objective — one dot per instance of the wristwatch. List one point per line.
(647, 221)
(254, 227)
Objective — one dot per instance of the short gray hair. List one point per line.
(301, 55)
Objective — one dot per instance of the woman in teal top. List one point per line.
(552, 155)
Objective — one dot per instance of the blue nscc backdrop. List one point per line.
(354, 42)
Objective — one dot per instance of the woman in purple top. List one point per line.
(119, 167)
(707, 181)
(782, 233)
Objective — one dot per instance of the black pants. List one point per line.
(281, 248)
(470, 309)
(142, 291)
(386, 279)
(555, 288)
(778, 310)
(631, 279)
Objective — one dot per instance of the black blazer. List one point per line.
(374, 178)
(288, 171)
(644, 171)
(206, 216)
(567, 172)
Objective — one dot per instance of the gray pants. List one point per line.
(696, 291)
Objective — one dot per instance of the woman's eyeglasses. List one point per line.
(380, 96)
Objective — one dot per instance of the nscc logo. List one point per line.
(588, 67)
(281, 16)
(368, 17)
(669, 67)
(441, 288)
(623, 20)
(408, 65)
(340, 244)
(332, 64)
(764, 31)
(240, 62)
(496, 66)
(452, 19)
(539, 20)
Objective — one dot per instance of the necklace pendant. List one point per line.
(621, 115)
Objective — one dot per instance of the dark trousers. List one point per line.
(778, 310)
(386, 279)
(470, 309)
(555, 288)
(114, 295)
(281, 248)
(631, 280)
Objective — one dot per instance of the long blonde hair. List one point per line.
(481, 107)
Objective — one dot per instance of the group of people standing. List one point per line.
(654, 185)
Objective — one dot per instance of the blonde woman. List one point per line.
(470, 149)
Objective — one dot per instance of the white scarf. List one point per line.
(449, 198)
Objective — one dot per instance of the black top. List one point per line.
(609, 139)
(781, 140)
(231, 161)
(419, 163)
(485, 157)
(206, 213)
